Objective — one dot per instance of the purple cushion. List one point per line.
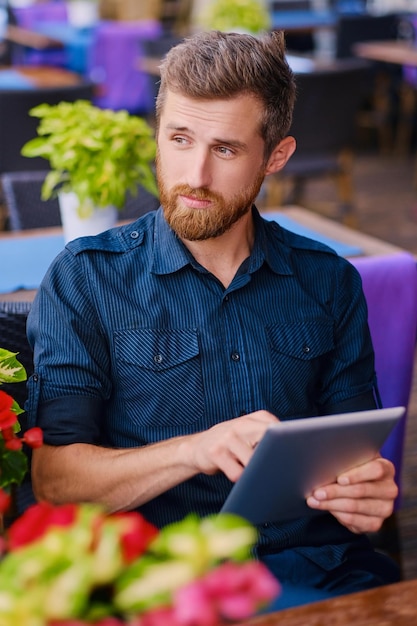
(390, 287)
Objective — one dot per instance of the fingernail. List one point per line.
(320, 494)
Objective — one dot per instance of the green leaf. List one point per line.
(99, 154)
(11, 370)
(14, 465)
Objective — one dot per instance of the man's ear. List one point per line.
(280, 155)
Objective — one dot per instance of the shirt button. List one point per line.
(265, 525)
(306, 349)
(235, 356)
(134, 234)
(35, 378)
(226, 298)
(157, 358)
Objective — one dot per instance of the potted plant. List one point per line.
(249, 16)
(96, 157)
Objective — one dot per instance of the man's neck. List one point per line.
(222, 256)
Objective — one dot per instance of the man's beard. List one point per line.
(202, 224)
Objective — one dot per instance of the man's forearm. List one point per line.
(118, 479)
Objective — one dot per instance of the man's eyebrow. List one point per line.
(233, 143)
(180, 129)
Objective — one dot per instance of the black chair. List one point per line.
(139, 204)
(324, 126)
(26, 210)
(379, 106)
(13, 317)
(17, 126)
(155, 49)
(24, 205)
(354, 28)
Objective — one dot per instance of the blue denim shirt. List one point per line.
(135, 342)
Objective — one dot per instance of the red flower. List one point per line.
(34, 437)
(8, 433)
(7, 416)
(137, 537)
(5, 501)
(13, 444)
(37, 520)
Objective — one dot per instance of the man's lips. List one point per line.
(195, 203)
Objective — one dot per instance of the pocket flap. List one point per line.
(303, 340)
(156, 349)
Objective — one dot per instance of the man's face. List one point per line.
(210, 164)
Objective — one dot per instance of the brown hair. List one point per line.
(215, 65)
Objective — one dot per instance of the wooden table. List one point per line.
(370, 246)
(391, 605)
(46, 76)
(394, 52)
(30, 38)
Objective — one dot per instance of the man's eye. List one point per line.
(179, 140)
(225, 151)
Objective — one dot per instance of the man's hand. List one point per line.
(362, 498)
(228, 446)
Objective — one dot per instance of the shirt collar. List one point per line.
(170, 254)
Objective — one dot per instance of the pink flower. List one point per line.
(194, 607)
(163, 616)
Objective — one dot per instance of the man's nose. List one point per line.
(199, 172)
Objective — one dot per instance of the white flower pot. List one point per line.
(82, 13)
(75, 226)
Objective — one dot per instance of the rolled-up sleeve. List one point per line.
(70, 384)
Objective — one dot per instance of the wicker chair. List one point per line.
(24, 206)
(17, 126)
(26, 210)
(324, 123)
(13, 337)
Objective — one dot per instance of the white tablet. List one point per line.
(296, 456)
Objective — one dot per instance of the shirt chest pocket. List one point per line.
(297, 351)
(302, 340)
(160, 375)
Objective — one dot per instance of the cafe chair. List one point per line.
(114, 63)
(25, 208)
(356, 27)
(377, 111)
(17, 126)
(13, 317)
(139, 204)
(28, 16)
(390, 287)
(324, 126)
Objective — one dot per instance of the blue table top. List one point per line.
(66, 33)
(12, 79)
(24, 261)
(303, 20)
